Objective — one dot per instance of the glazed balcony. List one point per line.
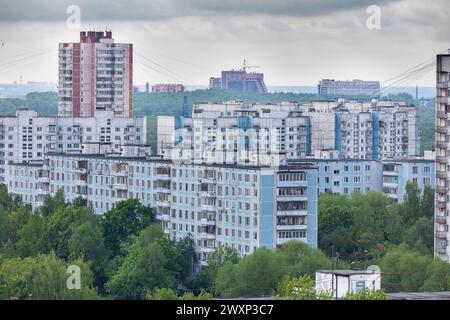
(441, 219)
(441, 235)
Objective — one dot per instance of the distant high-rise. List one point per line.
(240, 80)
(441, 219)
(95, 74)
(349, 88)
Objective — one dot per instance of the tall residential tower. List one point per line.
(441, 227)
(95, 74)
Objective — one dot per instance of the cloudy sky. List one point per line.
(295, 42)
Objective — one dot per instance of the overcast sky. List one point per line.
(295, 42)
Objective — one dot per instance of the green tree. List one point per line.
(296, 258)
(420, 235)
(437, 276)
(207, 275)
(60, 226)
(254, 275)
(44, 278)
(52, 204)
(32, 237)
(366, 294)
(88, 244)
(335, 225)
(203, 295)
(125, 220)
(301, 288)
(163, 294)
(403, 269)
(146, 266)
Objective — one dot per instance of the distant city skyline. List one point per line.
(295, 43)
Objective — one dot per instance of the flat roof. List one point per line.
(346, 272)
(304, 165)
(444, 295)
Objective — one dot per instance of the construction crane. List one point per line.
(245, 66)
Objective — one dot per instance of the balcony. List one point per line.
(441, 189)
(291, 227)
(208, 207)
(441, 235)
(207, 222)
(120, 186)
(442, 85)
(441, 159)
(441, 219)
(441, 250)
(441, 144)
(206, 194)
(80, 182)
(161, 190)
(81, 170)
(207, 236)
(444, 100)
(441, 174)
(441, 204)
(163, 217)
(208, 180)
(294, 213)
(441, 129)
(81, 166)
(207, 249)
(123, 174)
(162, 203)
(441, 115)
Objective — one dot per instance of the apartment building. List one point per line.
(167, 88)
(95, 74)
(27, 137)
(257, 133)
(348, 176)
(397, 173)
(29, 180)
(349, 88)
(244, 207)
(365, 130)
(442, 220)
(236, 132)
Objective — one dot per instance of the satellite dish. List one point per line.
(373, 269)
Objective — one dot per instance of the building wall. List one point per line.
(238, 206)
(345, 284)
(167, 88)
(348, 176)
(236, 131)
(28, 137)
(95, 74)
(396, 174)
(442, 221)
(349, 88)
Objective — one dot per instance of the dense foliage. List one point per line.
(123, 254)
(373, 230)
(126, 255)
(363, 227)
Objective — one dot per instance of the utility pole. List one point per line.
(332, 267)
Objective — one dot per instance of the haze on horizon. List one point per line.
(294, 42)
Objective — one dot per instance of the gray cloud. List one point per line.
(51, 10)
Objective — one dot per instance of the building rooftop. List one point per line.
(444, 295)
(346, 272)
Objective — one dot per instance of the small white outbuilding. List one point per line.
(347, 280)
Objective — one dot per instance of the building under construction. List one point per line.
(240, 80)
